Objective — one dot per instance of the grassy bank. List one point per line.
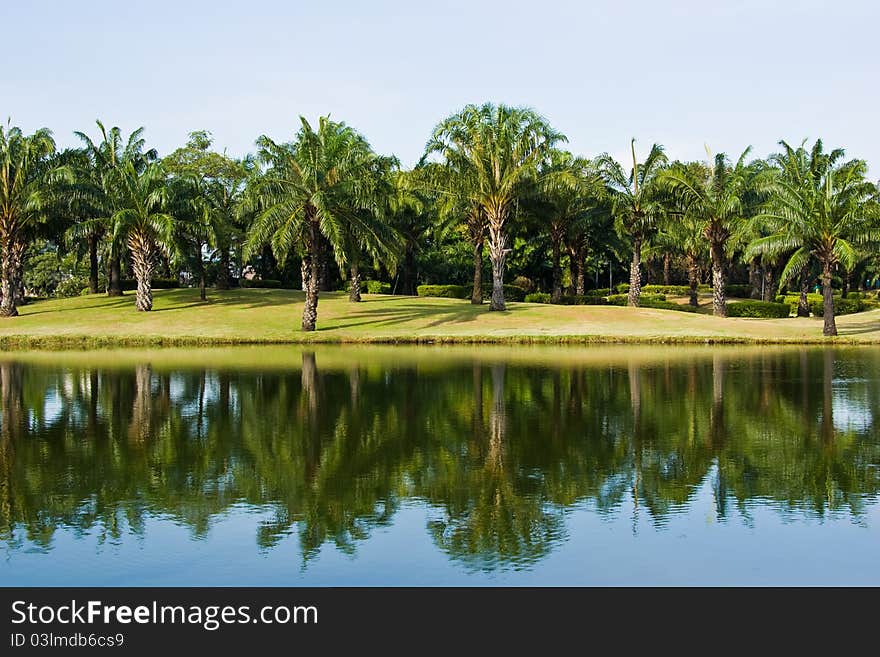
(261, 316)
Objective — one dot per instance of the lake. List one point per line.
(440, 465)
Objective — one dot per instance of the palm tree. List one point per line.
(324, 186)
(27, 174)
(715, 196)
(500, 148)
(637, 207)
(457, 194)
(564, 197)
(142, 222)
(682, 235)
(822, 208)
(97, 186)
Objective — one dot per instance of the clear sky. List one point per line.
(684, 74)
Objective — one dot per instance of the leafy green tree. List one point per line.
(818, 207)
(494, 150)
(715, 196)
(637, 206)
(212, 188)
(325, 186)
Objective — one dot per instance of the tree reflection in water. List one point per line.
(496, 452)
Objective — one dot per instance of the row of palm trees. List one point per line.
(494, 174)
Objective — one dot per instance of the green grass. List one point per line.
(265, 316)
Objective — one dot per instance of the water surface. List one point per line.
(455, 465)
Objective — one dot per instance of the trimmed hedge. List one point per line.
(260, 282)
(621, 299)
(511, 292)
(667, 305)
(598, 292)
(842, 306)
(129, 284)
(759, 309)
(673, 290)
(621, 288)
(537, 297)
(444, 291)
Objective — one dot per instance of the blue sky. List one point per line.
(684, 74)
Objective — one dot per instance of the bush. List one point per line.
(759, 309)
(621, 288)
(72, 286)
(841, 307)
(129, 284)
(673, 290)
(598, 292)
(537, 297)
(444, 291)
(511, 292)
(667, 305)
(375, 287)
(260, 282)
(621, 299)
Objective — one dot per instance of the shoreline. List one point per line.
(76, 342)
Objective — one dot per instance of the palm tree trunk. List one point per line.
(93, 264)
(305, 270)
(223, 273)
(556, 242)
(694, 282)
(755, 280)
(667, 269)
(830, 327)
(803, 309)
(114, 277)
(580, 285)
(202, 283)
(719, 303)
(354, 284)
(497, 255)
(769, 283)
(8, 284)
(844, 288)
(635, 274)
(142, 262)
(310, 309)
(477, 291)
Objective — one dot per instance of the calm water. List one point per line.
(374, 466)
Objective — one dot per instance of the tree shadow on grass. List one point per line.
(413, 310)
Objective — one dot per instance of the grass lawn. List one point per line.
(273, 316)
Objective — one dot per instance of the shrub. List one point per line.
(375, 287)
(260, 282)
(72, 286)
(445, 291)
(841, 306)
(760, 309)
(156, 283)
(621, 299)
(621, 288)
(537, 297)
(673, 290)
(598, 292)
